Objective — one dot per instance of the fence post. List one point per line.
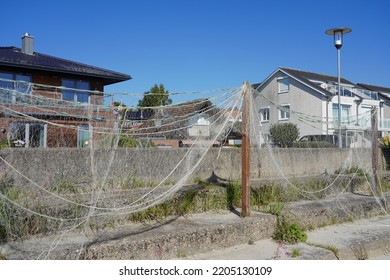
(374, 158)
(245, 151)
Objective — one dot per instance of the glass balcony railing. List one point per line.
(361, 123)
(367, 94)
(350, 92)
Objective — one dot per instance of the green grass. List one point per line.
(331, 248)
(288, 232)
(295, 253)
(270, 198)
(351, 170)
(65, 185)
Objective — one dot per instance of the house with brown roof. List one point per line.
(48, 101)
(175, 125)
(310, 100)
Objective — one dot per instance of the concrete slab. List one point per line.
(362, 239)
(225, 235)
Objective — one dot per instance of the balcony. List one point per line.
(351, 92)
(361, 123)
(47, 97)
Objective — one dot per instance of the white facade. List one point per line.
(310, 101)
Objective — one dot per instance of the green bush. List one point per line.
(385, 146)
(129, 142)
(233, 194)
(313, 144)
(284, 134)
(4, 144)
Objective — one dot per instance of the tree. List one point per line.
(118, 103)
(156, 96)
(284, 134)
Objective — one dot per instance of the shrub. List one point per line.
(4, 144)
(385, 142)
(351, 170)
(385, 146)
(288, 233)
(284, 134)
(129, 142)
(312, 144)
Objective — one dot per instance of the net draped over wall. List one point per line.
(75, 168)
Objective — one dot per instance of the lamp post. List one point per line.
(338, 42)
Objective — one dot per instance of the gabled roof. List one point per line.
(180, 113)
(14, 57)
(306, 77)
(315, 76)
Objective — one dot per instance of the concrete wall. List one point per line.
(47, 166)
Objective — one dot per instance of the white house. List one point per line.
(310, 100)
(384, 96)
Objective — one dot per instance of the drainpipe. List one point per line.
(327, 117)
(358, 102)
(381, 121)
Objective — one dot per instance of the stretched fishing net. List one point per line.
(70, 170)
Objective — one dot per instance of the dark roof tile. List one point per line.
(375, 88)
(12, 56)
(315, 76)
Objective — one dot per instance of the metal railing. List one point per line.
(48, 98)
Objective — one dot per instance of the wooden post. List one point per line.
(374, 150)
(245, 151)
(374, 158)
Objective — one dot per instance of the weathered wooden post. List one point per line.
(374, 150)
(374, 158)
(245, 151)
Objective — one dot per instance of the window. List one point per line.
(346, 92)
(14, 86)
(76, 91)
(283, 84)
(370, 94)
(284, 112)
(27, 134)
(83, 136)
(264, 114)
(344, 113)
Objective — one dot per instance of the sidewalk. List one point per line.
(362, 239)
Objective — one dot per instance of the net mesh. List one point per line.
(69, 170)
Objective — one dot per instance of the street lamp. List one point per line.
(338, 42)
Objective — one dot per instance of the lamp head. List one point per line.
(338, 35)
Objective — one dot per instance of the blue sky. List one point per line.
(206, 44)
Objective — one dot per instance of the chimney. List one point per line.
(28, 44)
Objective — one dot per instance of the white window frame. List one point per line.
(283, 84)
(284, 115)
(345, 118)
(262, 119)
